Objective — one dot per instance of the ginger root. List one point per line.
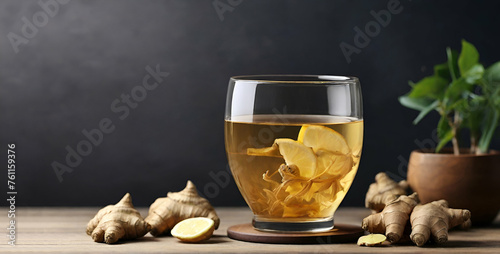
(165, 212)
(392, 220)
(120, 221)
(435, 219)
(384, 190)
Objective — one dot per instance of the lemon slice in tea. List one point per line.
(194, 229)
(321, 137)
(295, 153)
(333, 164)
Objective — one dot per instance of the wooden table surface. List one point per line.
(62, 230)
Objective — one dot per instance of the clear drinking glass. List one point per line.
(293, 143)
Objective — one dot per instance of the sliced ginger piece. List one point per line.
(194, 229)
(315, 165)
(371, 240)
(294, 153)
(272, 151)
(321, 137)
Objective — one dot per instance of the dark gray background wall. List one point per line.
(65, 78)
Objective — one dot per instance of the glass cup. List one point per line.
(293, 144)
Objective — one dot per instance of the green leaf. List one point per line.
(459, 105)
(492, 74)
(443, 127)
(468, 57)
(448, 136)
(452, 62)
(474, 74)
(426, 111)
(459, 88)
(489, 128)
(495, 99)
(415, 103)
(476, 107)
(442, 70)
(445, 133)
(431, 87)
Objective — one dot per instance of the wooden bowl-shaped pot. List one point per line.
(466, 181)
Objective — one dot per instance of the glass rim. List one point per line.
(296, 79)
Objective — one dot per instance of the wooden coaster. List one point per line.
(342, 233)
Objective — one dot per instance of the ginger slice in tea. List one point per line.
(313, 173)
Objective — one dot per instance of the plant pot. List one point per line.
(466, 181)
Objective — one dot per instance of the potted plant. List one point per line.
(467, 97)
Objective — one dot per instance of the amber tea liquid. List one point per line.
(274, 195)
